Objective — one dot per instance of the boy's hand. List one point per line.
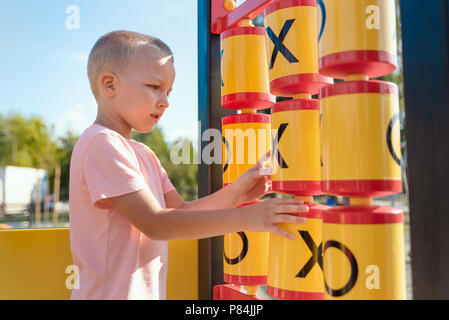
(264, 216)
(254, 183)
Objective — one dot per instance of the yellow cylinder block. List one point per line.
(359, 37)
(361, 150)
(292, 47)
(246, 138)
(245, 258)
(363, 253)
(244, 71)
(296, 147)
(295, 266)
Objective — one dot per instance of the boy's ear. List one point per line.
(108, 83)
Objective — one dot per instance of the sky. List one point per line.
(46, 43)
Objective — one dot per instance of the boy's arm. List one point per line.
(222, 199)
(144, 212)
(250, 186)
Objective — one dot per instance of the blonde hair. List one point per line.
(112, 53)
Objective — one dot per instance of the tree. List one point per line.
(26, 142)
(183, 176)
(64, 155)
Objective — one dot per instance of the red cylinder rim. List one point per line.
(254, 100)
(373, 63)
(297, 187)
(291, 105)
(363, 215)
(240, 31)
(244, 280)
(368, 188)
(355, 87)
(293, 295)
(274, 6)
(289, 85)
(246, 118)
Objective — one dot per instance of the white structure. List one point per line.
(18, 188)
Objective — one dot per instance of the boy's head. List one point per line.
(131, 75)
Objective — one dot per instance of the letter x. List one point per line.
(278, 43)
(317, 255)
(275, 141)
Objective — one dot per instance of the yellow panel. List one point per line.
(299, 145)
(182, 278)
(254, 262)
(378, 250)
(359, 25)
(301, 40)
(33, 264)
(288, 257)
(248, 142)
(244, 66)
(354, 137)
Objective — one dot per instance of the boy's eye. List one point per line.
(156, 87)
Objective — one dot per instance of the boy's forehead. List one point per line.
(150, 59)
(150, 55)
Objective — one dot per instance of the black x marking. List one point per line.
(317, 254)
(278, 43)
(274, 143)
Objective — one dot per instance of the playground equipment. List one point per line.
(246, 137)
(361, 152)
(295, 268)
(359, 138)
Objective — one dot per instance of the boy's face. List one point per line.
(143, 88)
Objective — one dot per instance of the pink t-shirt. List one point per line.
(115, 259)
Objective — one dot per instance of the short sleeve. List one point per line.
(167, 186)
(110, 169)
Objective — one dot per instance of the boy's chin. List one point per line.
(147, 129)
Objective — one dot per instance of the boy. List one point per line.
(123, 207)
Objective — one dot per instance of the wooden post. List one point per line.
(37, 202)
(46, 203)
(56, 194)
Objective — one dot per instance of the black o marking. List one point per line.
(228, 152)
(389, 143)
(221, 61)
(354, 269)
(242, 254)
(323, 15)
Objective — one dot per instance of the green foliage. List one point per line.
(64, 154)
(28, 142)
(183, 176)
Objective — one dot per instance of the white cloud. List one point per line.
(76, 118)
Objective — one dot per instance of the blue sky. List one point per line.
(44, 63)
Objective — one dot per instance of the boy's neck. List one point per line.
(112, 125)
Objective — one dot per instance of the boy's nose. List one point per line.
(163, 103)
